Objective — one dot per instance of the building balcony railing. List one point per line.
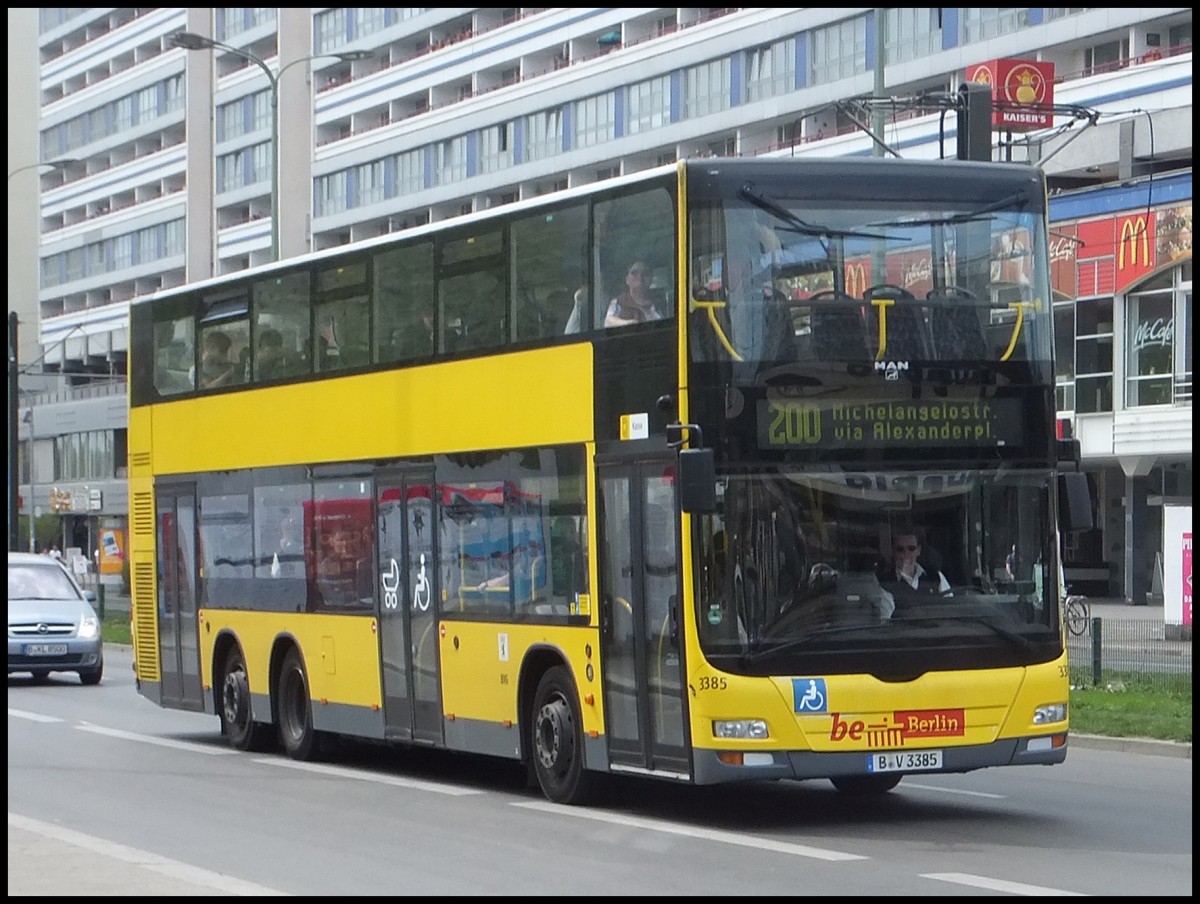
(94, 387)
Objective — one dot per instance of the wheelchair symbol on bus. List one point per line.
(808, 695)
(421, 589)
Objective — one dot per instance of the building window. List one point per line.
(370, 183)
(1105, 57)
(1064, 356)
(771, 70)
(912, 32)
(595, 120)
(330, 194)
(839, 51)
(984, 23)
(649, 105)
(543, 134)
(1093, 355)
(1158, 355)
(496, 148)
(410, 172)
(450, 161)
(706, 88)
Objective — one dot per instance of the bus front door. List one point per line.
(408, 595)
(178, 628)
(644, 701)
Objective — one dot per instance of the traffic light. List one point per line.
(974, 121)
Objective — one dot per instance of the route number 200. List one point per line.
(793, 423)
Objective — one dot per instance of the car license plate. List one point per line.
(45, 649)
(905, 761)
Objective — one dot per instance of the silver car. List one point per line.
(52, 626)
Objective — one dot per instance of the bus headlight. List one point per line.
(1050, 712)
(740, 728)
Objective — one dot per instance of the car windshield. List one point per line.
(39, 582)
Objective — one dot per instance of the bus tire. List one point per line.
(237, 722)
(864, 785)
(557, 740)
(296, 733)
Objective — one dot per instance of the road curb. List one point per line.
(1151, 746)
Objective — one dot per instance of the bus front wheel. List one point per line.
(296, 732)
(237, 723)
(557, 742)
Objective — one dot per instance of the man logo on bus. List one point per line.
(891, 369)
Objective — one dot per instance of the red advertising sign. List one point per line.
(1022, 93)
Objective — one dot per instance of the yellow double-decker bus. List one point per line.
(705, 474)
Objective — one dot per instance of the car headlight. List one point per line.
(89, 627)
(740, 728)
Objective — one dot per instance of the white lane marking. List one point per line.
(33, 717)
(154, 863)
(345, 772)
(962, 791)
(159, 742)
(654, 825)
(1012, 888)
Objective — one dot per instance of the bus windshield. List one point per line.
(892, 574)
(868, 277)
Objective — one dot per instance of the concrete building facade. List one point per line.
(163, 161)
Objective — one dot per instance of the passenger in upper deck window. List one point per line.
(635, 304)
(216, 368)
(269, 361)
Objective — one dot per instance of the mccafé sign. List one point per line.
(1022, 93)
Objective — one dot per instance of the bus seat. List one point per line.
(839, 330)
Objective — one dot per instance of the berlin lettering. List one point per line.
(903, 726)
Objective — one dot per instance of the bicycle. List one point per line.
(1079, 614)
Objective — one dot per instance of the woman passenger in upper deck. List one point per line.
(635, 304)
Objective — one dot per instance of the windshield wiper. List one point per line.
(1015, 638)
(1016, 201)
(763, 651)
(795, 224)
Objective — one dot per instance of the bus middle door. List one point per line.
(644, 703)
(408, 600)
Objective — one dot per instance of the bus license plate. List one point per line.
(45, 649)
(913, 760)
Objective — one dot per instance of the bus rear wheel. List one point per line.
(557, 740)
(237, 722)
(862, 785)
(300, 740)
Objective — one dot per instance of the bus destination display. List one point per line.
(791, 423)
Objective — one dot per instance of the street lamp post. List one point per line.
(14, 401)
(190, 40)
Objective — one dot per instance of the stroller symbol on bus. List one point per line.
(421, 589)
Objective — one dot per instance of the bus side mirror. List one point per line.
(1074, 501)
(697, 481)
